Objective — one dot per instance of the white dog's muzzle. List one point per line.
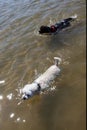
(26, 96)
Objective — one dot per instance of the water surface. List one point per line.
(24, 55)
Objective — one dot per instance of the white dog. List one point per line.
(42, 82)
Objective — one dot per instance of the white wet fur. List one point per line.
(43, 82)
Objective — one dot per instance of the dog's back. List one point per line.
(45, 79)
(58, 26)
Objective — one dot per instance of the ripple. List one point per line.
(20, 120)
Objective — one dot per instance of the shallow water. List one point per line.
(24, 55)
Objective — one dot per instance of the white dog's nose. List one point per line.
(25, 96)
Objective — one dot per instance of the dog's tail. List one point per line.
(70, 19)
(57, 60)
(74, 16)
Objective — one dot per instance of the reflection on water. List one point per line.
(24, 55)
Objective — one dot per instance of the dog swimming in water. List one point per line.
(42, 82)
(54, 29)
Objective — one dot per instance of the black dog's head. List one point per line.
(44, 29)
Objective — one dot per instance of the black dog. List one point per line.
(57, 27)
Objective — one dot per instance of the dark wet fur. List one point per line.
(58, 26)
(44, 29)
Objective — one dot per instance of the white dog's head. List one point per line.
(29, 90)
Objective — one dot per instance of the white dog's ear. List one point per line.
(57, 60)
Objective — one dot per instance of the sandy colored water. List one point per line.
(24, 55)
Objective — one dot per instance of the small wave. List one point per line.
(53, 88)
(12, 115)
(10, 96)
(1, 97)
(18, 119)
(2, 81)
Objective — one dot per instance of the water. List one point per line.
(24, 55)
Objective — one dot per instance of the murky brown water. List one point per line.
(24, 54)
